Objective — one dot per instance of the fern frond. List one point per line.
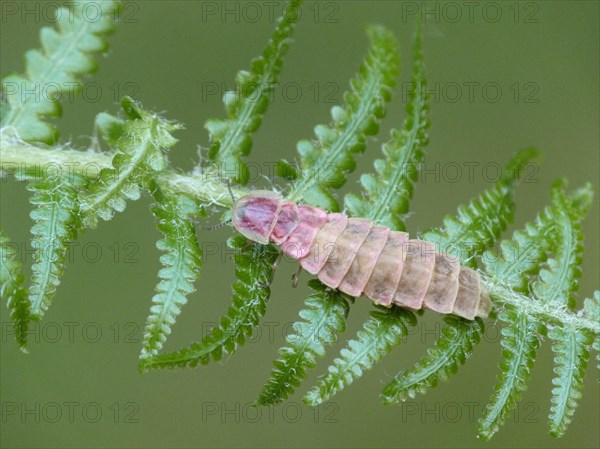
(556, 284)
(558, 281)
(12, 290)
(389, 191)
(324, 317)
(254, 265)
(325, 160)
(478, 225)
(55, 70)
(56, 218)
(571, 354)
(519, 259)
(442, 361)
(138, 153)
(181, 262)
(230, 138)
(520, 341)
(384, 330)
(555, 231)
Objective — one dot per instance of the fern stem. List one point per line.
(206, 187)
(547, 312)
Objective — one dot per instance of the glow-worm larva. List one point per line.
(361, 259)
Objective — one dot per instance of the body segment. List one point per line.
(345, 248)
(361, 259)
(385, 277)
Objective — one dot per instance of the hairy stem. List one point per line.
(206, 186)
(547, 312)
(209, 188)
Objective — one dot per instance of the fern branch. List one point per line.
(24, 159)
(520, 340)
(138, 153)
(324, 161)
(385, 329)
(230, 138)
(570, 362)
(556, 285)
(53, 71)
(451, 350)
(56, 217)
(324, 317)
(12, 290)
(510, 272)
(254, 266)
(520, 258)
(553, 232)
(543, 312)
(477, 226)
(181, 262)
(389, 191)
(558, 282)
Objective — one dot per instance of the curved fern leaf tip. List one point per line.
(230, 139)
(56, 69)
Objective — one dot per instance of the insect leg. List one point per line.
(275, 265)
(296, 277)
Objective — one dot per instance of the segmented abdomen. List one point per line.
(359, 258)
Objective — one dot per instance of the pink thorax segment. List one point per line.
(287, 221)
(310, 220)
(360, 271)
(416, 275)
(385, 277)
(324, 243)
(255, 216)
(346, 247)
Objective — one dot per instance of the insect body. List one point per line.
(359, 258)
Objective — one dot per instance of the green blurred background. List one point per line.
(80, 387)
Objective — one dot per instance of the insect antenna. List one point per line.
(230, 192)
(217, 226)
